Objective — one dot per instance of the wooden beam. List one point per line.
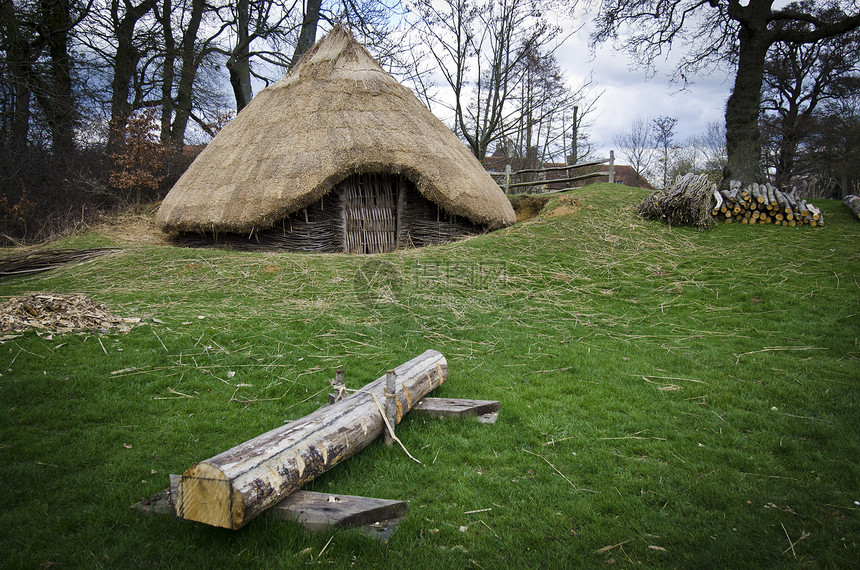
(559, 168)
(455, 408)
(320, 511)
(314, 511)
(559, 180)
(231, 488)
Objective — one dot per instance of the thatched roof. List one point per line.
(337, 113)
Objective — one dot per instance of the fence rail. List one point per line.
(506, 184)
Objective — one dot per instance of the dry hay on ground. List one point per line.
(567, 206)
(59, 313)
(133, 228)
(528, 206)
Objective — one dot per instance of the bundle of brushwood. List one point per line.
(853, 203)
(34, 261)
(763, 204)
(688, 200)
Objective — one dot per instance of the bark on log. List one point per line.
(853, 203)
(233, 487)
(816, 213)
(771, 198)
(782, 201)
(719, 198)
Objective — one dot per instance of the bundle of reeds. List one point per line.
(763, 204)
(43, 260)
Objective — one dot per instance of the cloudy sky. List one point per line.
(629, 91)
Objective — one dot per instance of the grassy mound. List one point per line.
(669, 397)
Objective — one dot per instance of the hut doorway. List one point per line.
(371, 213)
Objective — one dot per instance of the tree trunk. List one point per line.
(785, 155)
(126, 59)
(743, 146)
(19, 60)
(233, 487)
(238, 64)
(190, 64)
(168, 71)
(308, 33)
(57, 100)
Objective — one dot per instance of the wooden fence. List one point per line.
(503, 179)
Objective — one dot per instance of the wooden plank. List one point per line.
(455, 408)
(559, 180)
(231, 488)
(321, 511)
(314, 511)
(556, 168)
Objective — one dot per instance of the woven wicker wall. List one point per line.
(374, 213)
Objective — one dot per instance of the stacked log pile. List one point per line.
(763, 204)
(853, 203)
(693, 200)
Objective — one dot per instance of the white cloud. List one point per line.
(631, 90)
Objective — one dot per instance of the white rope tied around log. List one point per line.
(340, 393)
(385, 420)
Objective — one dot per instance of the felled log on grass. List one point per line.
(853, 203)
(233, 487)
(763, 204)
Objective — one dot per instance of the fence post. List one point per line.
(612, 167)
(390, 406)
(507, 179)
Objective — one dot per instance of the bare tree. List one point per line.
(542, 110)
(478, 46)
(20, 51)
(634, 145)
(38, 39)
(663, 129)
(834, 146)
(799, 79)
(574, 123)
(117, 37)
(268, 26)
(739, 33)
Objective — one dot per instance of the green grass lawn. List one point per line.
(669, 397)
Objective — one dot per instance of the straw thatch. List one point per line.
(336, 114)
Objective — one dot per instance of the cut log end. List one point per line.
(206, 495)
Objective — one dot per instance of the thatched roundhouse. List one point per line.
(337, 156)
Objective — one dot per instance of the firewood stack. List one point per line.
(763, 204)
